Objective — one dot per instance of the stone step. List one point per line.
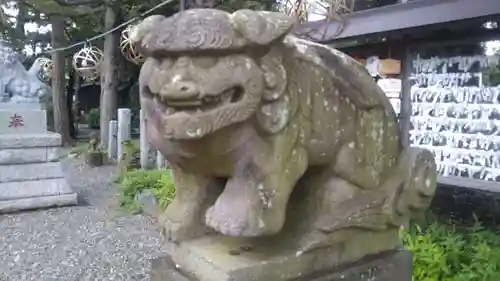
(37, 188)
(38, 202)
(28, 155)
(30, 172)
(30, 140)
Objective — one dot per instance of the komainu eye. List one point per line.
(166, 64)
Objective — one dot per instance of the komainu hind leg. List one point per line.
(367, 158)
(420, 181)
(407, 191)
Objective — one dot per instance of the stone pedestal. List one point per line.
(30, 173)
(393, 265)
(218, 258)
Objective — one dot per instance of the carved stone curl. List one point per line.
(269, 134)
(46, 68)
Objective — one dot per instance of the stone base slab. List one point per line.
(393, 265)
(390, 266)
(46, 139)
(29, 148)
(22, 121)
(36, 188)
(24, 195)
(212, 258)
(20, 106)
(31, 172)
(38, 202)
(28, 155)
(31, 175)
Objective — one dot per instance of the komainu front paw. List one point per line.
(182, 222)
(245, 213)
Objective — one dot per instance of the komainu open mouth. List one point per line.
(188, 118)
(205, 103)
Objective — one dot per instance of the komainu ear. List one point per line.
(139, 31)
(261, 27)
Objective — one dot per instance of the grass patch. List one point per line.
(134, 182)
(79, 149)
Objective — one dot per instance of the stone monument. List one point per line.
(287, 157)
(30, 172)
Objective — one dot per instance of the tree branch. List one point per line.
(52, 8)
(73, 3)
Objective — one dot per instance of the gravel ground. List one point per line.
(95, 241)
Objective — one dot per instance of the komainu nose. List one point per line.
(180, 90)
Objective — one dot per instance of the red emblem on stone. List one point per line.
(16, 121)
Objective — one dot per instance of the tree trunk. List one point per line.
(76, 109)
(61, 122)
(70, 93)
(20, 32)
(109, 75)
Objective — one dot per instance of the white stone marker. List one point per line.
(27, 118)
(113, 141)
(124, 120)
(160, 160)
(144, 144)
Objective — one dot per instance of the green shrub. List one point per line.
(447, 252)
(134, 182)
(94, 118)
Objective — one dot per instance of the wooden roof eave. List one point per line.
(416, 13)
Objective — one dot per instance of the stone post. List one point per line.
(113, 141)
(144, 144)
(124, 117)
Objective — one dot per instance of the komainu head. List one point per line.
(208, 69)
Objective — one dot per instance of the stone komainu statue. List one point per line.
(263, 128)
(16, 84)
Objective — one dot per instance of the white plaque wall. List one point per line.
(456, 115)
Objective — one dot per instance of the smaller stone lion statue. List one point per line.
(17, 84)
(267, 132)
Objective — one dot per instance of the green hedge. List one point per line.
(443, 251)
